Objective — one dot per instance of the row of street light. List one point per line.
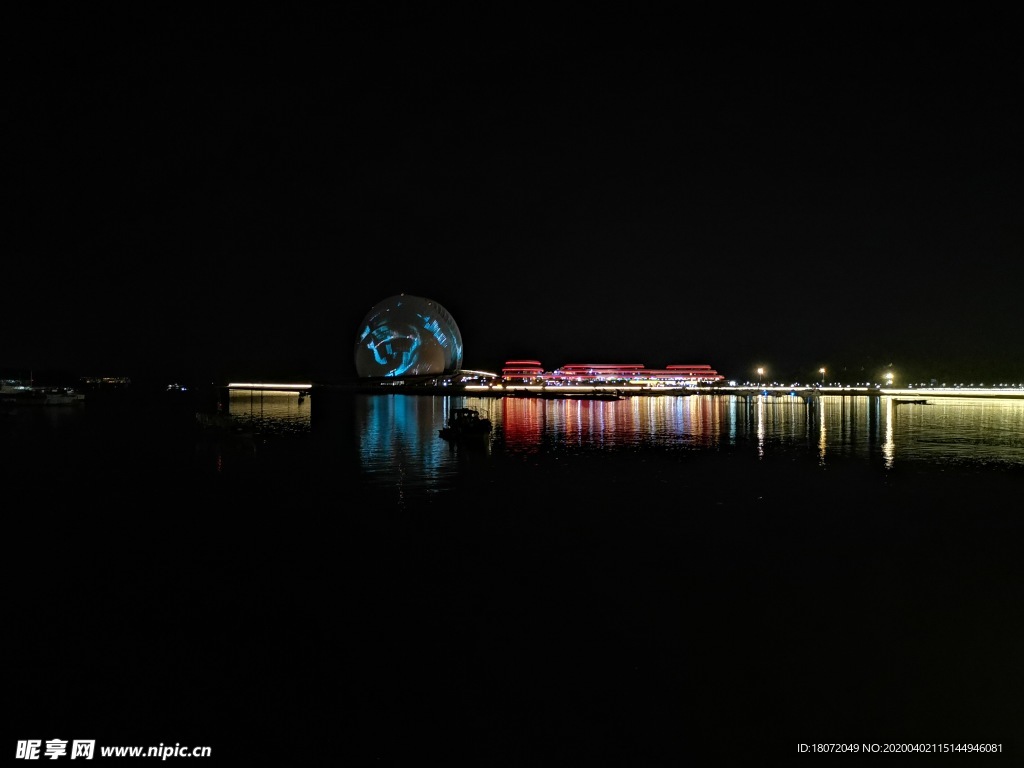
(760, 377)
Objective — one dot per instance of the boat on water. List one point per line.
(465, 423)
(524, 393)
(592, 395)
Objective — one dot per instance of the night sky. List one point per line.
(194, 195)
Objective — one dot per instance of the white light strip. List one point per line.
(242, 385)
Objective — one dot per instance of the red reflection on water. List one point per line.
(523, 421)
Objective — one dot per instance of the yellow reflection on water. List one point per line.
(760, 427)
(889, 446)
(282, 409)
(822, 431)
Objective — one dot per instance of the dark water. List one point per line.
(654, 581)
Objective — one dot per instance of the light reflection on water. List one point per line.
(958, 430)
(392, 440)
(398, 438)
(268, 411)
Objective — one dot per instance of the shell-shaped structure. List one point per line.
(407, 336)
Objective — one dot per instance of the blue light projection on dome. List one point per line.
(407, 336)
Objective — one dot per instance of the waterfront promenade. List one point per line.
(773, 390)
(498, 389)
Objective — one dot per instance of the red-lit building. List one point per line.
(532, 372)
(523, 372)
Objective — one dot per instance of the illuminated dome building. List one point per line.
(407, 336)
